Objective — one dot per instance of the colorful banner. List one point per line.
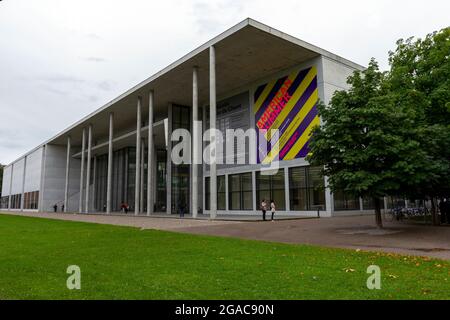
(288, 104)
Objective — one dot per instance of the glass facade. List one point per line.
(180, 173)
(161, 181)
(221, 193)
(368, 203)
(15, 201)
(271, 187)
(240, 192)
(4, 202)
(306, 191)
(123, 175)
(344, 202)
(31, 200)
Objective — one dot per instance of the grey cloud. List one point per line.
(105, 85)
(94, 59)
(61, 79)
(93, 36)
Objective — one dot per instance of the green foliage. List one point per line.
(420, 76)
(389, 134)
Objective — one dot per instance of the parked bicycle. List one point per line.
(400, 213)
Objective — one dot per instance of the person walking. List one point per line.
(272, 208)
(264, 209)
(55, 208)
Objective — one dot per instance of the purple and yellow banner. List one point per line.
(288, 104)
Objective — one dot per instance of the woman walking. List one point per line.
(272, 208)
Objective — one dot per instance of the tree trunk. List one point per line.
(378, 219)
(434, 217)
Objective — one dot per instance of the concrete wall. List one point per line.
(17, 179)
(33, 171)
(335, 76)
(55, 179)
(6, 180)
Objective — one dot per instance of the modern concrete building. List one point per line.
(250, 76)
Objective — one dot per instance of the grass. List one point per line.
(129, 263)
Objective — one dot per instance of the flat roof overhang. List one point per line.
(244, 53)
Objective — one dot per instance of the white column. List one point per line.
(329, 199)
(88, 167)
(141, 198)
(195, 143)
(138, 157)
(83, 150)
(10, 187)
(42, 182)
(150, 154)
(169, 163)
(94, 186)
(66, 187)
(110, 164)
(212, 123)
(23, 183)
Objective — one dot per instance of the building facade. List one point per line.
(251, 77)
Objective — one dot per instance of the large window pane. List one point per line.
(306, 189)
(271, 187)
(343, 201)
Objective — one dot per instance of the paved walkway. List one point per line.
(344, 232)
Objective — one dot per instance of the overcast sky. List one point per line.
(60, 60)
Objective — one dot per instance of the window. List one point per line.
(221, 193)
(271, 187)
(15, 201)
(306, 189)
(4, 202)
(368, 203)
(343, 201)
(240, 191)
(30, 200)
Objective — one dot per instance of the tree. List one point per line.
(420, 68)
(369, 145)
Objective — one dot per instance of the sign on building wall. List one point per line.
(288, 104)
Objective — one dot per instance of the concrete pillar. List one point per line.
(212, 123)
(42, 182)
(150, 155)
(110, 164)
(169, 163)
(88, 167)
(23, 183)
(195, 143)
(329, 199)
(66, 186)
(83, 150)
(94, 186)
(141, 197)
(138, 157)
(10, 186)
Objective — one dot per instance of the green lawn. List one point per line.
(128, 263)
